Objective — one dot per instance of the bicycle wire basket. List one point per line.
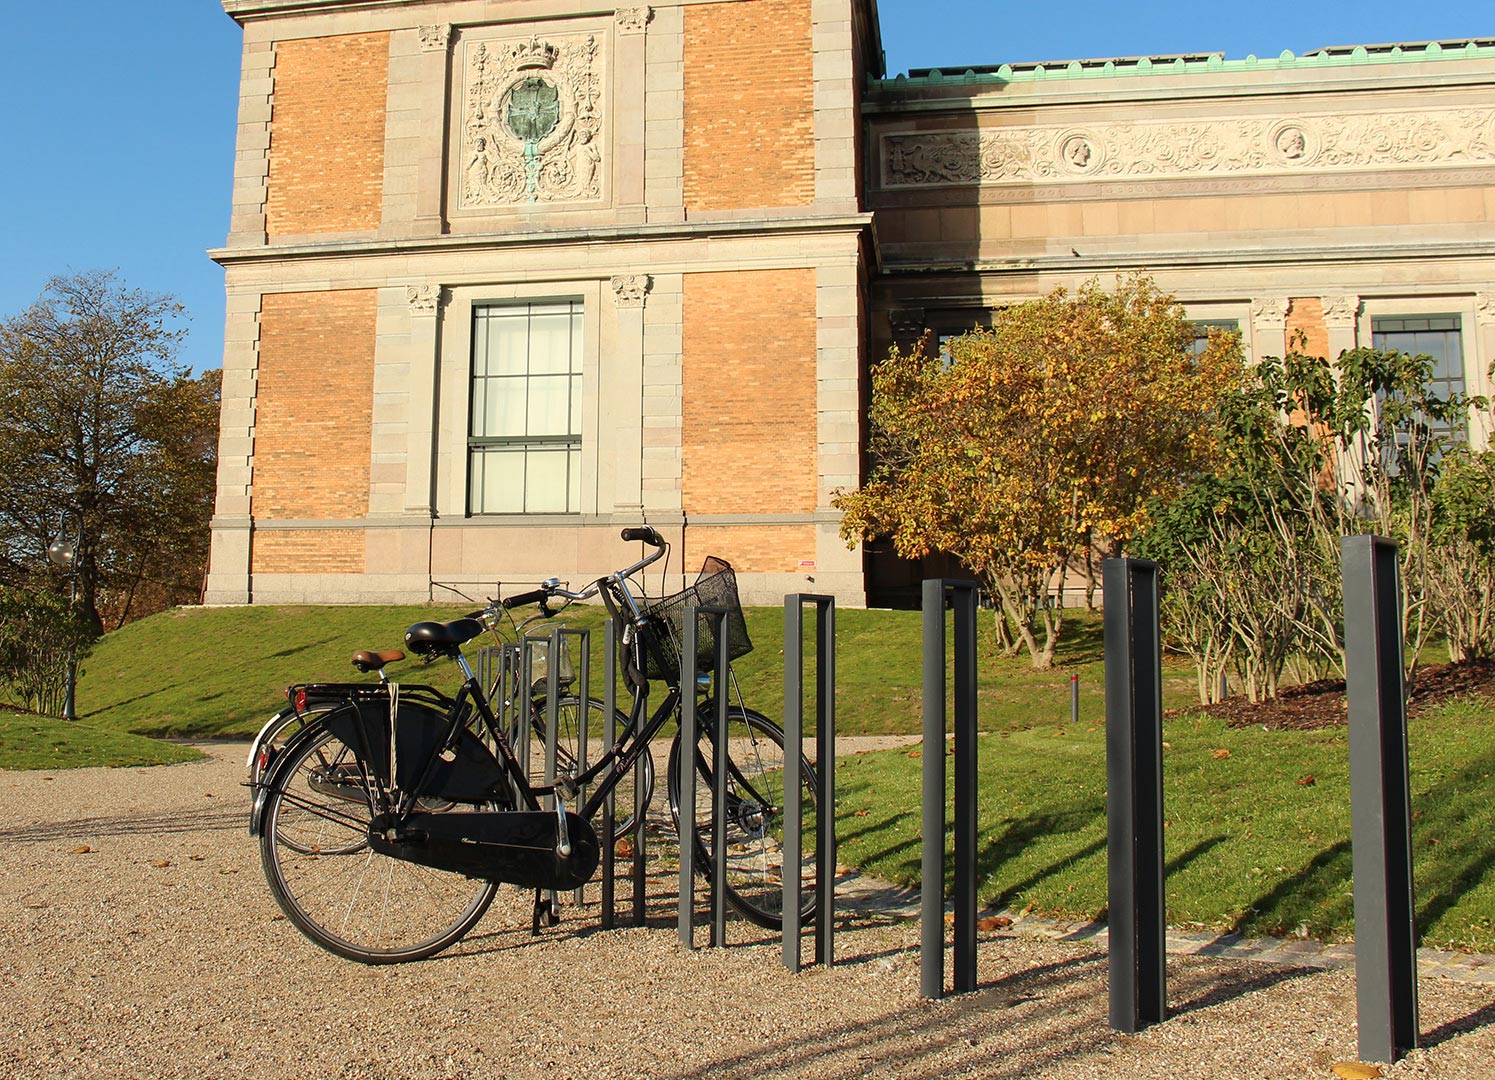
(715, 587)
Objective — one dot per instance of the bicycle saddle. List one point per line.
(367, 660)
(441, 639)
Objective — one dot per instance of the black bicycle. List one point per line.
(388, 820)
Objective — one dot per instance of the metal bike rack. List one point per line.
(554, 643)
(825, 762)
(1134, 793)
(1380, 801)
(609, 805)
(932, 870)
(687, 766)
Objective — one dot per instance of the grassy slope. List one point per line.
(221, 671)
(41, 742)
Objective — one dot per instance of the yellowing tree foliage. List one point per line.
(1054, 428)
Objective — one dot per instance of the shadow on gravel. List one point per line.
(1462, 1026)
(935, 1040)
(209, 819)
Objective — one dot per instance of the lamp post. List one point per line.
(62, 552)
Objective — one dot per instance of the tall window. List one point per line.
(1436, 336)
(1202, 327)
(524, 443)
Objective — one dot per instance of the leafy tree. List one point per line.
(97, 416)
(40, 633)
(1311, 452)
(1059, 425)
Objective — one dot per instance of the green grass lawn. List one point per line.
(43, 742)
(221, 672)
(1252, 844)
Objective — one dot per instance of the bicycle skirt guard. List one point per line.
(508, 846)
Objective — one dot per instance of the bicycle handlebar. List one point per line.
(534, 596)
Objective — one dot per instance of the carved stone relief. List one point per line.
(633, 20)
(1340, 311)
(423, 299)
(1484, 308)
(1270, 311)
(1186, 148)
(435, 38)
(630, 289)
(532, 122)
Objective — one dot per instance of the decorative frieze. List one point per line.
(1189, 148)
(532, 122)
(423, 299)
(633, 20)
(630, 289)
(435, 38)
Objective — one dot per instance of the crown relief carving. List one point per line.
(532, 122)
(633, 20)
(630, 289)
(1484, 308)
(1190, 148)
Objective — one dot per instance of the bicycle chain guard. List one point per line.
(512, 847)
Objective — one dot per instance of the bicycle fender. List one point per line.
(272, 777)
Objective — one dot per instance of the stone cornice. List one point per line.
(363, 247)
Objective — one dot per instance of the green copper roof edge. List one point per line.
(1214, 63)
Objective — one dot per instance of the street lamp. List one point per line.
(62, 552)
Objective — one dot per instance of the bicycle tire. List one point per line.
(348, 899)
(755, 801)
(567, 741)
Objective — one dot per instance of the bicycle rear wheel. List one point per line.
(337, 890)
(755, 812)
(568, 743)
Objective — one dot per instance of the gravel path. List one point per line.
(158, 953)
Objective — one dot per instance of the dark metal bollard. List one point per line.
(1134, 793)
(1380, 801)
(687, 771)
(609, 805)
(825, 762)
(932, 906)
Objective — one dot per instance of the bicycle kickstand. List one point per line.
(545, 909)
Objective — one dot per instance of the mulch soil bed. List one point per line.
(1321, 704)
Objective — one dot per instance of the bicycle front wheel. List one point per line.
(755, 800)
(338, 891)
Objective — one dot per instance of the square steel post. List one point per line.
(686, 765)
(1134, 793)
(932, 870)
(825, 763)
(609, 804)
(719, 775)
(1380, 801)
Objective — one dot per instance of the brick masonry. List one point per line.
(327, 135)
(748, 426)
(1307, 316)
(313, 423)
(749, 105)
(751, 549)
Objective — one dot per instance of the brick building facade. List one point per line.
(505, 276)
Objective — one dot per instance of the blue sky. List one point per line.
(118, 127)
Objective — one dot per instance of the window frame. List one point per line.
(1476, 378)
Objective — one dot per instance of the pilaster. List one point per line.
(1269, 326)
(414, 134)
(1341, 317)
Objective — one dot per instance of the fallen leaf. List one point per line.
(860, 813)
(82, 849)
(197, 858)
(993, 922)
(1221, 754)
(229, 870)
(916, 753)
(1355, 1070)
(161, 863)
(623, 849)
(1167, 745)
(1307, 781)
